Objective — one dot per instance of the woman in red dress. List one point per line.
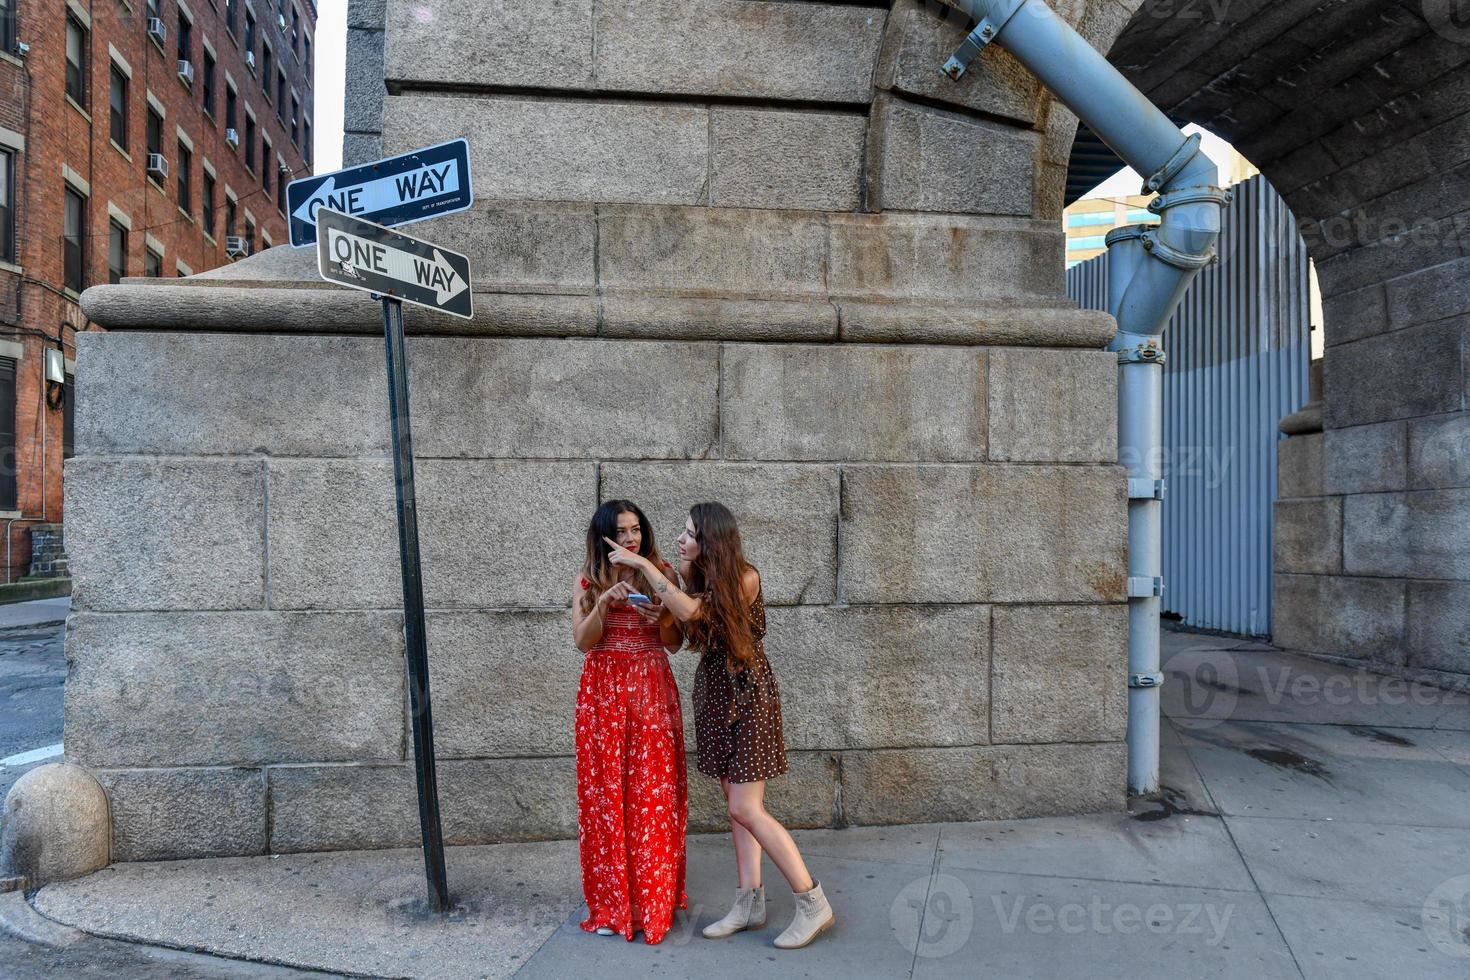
(737, 712)
(632, 801)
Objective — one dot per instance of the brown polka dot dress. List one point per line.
(737, 719)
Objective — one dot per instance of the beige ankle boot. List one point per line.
(813, 917)
(749, 912)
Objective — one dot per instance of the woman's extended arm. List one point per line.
(587, 627)
(684, 607)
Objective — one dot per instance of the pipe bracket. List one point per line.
(1142, 354)
(1146, 489)
(1144, 587)
(1155, 679)
(1190, 195)
(1176, 163)
(985, 31)
(1160, 249)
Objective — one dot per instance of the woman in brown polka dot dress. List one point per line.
(737, 712)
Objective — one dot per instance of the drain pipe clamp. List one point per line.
(1146, 680)
(986, 31)
(1142, 354)
(1190, 195)
(1176, 163)
(1145, 587)
(1158, 248)
(1146, 489)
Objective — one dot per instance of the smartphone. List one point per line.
(639, 599)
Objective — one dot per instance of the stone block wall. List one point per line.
(728, 249)
(1373, 546)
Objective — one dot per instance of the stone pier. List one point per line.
(753, 251)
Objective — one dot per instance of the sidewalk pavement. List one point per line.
(1314, 822)
(34, 612)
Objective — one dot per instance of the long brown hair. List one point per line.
(718, 572)
(600, 574)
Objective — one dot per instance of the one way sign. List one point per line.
(394, 191)
(360, 254)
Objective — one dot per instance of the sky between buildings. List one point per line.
(331, 56)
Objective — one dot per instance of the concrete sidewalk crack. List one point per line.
(1239, 854)
(924, 910)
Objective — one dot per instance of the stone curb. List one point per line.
(19, 919)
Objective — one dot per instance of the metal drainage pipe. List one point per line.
(1151, 266)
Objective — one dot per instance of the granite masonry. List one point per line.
(761, 252)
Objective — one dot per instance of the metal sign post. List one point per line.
(415, 648)
(398, 269)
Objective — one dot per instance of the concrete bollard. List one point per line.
(56, 826)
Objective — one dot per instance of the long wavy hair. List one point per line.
(600, 574)
(718, 572)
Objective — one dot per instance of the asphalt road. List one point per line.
(32, 672)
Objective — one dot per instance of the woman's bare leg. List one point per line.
(748, 808)
(747, 848)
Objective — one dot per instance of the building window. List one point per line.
(7, 25)
(185, 158)
(74, 239)
(155, 131)
(229, 216)
(295, 120)
(230, 6)
(249, 142)
(265, 166)
(305, 55)
(249, 32)
(1086, 242)
(76, 61)
(118, 101)
(152, 264)
(7, 434)
(265, 70)
(249, 237)
(117, 252)
(186, 30)
(306, 143)
(207, 83)
(230, 112)
(295, 29)
(281, 189)
(206, 202)
(281, 95)
(7, 211)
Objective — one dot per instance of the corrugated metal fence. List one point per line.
(1238, 350)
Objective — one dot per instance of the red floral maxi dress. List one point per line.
(632, 797)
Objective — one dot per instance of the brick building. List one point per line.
(137, 138)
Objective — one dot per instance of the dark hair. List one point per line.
(598, 572)
(718, 573)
